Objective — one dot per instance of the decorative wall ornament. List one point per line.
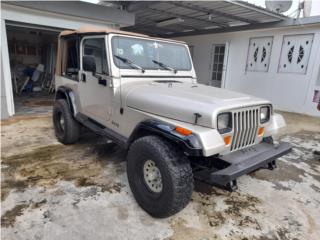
(258, 59)
(295, 53)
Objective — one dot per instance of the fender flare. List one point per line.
(67, 93)
(189, 144)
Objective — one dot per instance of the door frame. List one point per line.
(103, 119)
(225, 63)
(6, 82)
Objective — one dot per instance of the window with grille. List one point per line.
(258, 59)
(217, 63)
(295, 53)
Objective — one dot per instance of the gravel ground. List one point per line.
(52, 191)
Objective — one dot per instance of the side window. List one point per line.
(96, 47)
(70, 58)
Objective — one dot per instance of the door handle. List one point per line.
(102, 82)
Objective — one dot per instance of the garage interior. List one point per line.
(32, 54)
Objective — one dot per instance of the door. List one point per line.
(95, 91)
(218, 64)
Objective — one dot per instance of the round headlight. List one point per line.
(264, 114)
(224, 122)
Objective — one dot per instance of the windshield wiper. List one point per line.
(165, 66)
(130, 63)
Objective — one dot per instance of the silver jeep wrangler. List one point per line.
(142, 93)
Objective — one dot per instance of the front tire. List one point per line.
(160, 176)
(67, 129)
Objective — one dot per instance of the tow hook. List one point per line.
(272, 165)
(231, 186)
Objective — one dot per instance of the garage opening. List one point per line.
(32, 54)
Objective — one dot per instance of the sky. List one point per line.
(315, 9)
(92, 1)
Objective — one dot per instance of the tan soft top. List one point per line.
(96, 30)
(92, 30)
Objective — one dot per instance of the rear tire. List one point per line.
(67, 129)
(173, 191)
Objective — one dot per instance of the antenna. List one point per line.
(307, 5)
(278, 6)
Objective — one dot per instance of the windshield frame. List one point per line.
(155, 69)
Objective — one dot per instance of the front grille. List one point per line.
(245, 126)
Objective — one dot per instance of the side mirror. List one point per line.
(89, 63)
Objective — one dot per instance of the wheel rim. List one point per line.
(61, 122)
(152, 176)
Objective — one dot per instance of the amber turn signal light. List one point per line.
(183, 131)
(227, 140)
(261, 131)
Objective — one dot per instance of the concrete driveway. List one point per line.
(52, 191)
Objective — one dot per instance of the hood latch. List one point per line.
(197, 116)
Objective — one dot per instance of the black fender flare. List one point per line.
(67, 93)
(189, 144)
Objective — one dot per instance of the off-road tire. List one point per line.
(70, 133)
(176, 174)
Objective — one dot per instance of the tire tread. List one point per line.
(180, 170)
(72, 127)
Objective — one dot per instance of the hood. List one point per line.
(181, 100)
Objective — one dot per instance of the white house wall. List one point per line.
(289, 92)
(31, 16)
(7, 105)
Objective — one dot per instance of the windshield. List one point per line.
(149, 54)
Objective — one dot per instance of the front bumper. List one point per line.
(236, 164)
